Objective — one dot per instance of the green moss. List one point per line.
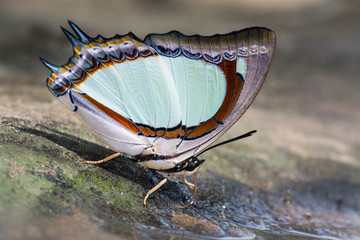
(22, 176)
(38, 175)
(98, 185)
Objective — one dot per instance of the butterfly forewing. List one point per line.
(242, 59)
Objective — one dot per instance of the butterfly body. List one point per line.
(164, 99)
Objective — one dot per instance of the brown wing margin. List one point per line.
(258, 64)
(257, 46)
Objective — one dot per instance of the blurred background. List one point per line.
(307, 113)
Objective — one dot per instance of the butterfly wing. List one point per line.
(242, 60)
(169, 95)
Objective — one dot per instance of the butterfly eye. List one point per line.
(193, 164)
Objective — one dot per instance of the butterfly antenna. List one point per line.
(228, 141)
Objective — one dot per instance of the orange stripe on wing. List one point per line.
(171, 134)
(146, 131)
(117, 117)
(233, 89)
(208, 126)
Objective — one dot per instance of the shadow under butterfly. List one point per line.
(162, 100)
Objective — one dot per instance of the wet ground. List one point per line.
(297, 178)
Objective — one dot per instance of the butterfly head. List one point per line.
(189, 166)
(193, 164)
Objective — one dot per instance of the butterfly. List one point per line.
(163, 100)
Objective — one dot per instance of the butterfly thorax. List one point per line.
(167, 164)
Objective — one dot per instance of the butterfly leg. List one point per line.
(186, 181)
(192, 199)
(154, 189)
(105, 159)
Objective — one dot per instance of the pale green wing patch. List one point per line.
(200, 87)
(140, 90)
